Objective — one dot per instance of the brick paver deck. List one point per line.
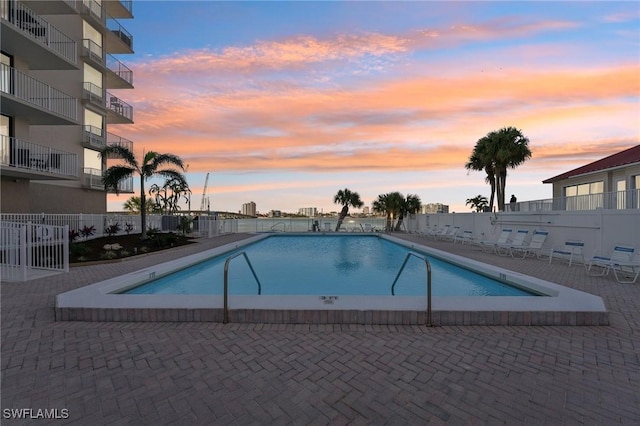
(210, 373)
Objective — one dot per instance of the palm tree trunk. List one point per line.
(343, 214)
(143, 210)
(399, 223)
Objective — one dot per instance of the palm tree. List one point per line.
(150, 166)
(346, 198)
(409, 205)
(479, 202)
(132, 205)
(495, 153)
(390, 204)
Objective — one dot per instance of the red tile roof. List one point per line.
(628, 156)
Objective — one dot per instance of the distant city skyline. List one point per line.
(285, 103)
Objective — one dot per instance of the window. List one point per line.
(585, 196)
(93, 81)
(5, 77)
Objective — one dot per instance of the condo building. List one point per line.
(60, 82)
(249, 208)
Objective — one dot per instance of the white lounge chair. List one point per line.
(451, 235)
(627, 272)
(621, 255)
(571, 249)
(534, 247)
(503, 238)
(441, 231)
(519, 240)
(465, 237)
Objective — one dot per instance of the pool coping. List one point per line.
(564, 306)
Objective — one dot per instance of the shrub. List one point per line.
(87, 231)
(185, 224)
(128, 227)
(73, 235)
(124, 253)
(108, 255)
(78, 250)
(112, 230)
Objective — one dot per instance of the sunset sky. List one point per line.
(285, 103)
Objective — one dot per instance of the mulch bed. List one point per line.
(122, 246)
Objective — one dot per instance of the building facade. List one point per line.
(308, 211)
(249, 208)
(612, 182)
(434, 208)
(58, 78)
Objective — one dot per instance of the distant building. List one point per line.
(275, 213)
(308, 211)
(434, 208)
(366, 210)
(249, 208)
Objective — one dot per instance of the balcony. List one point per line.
(93, 94)
(26, 160)
(23, 95)
(618, 200)
(93, 137)
(39, 43)
(93, 180)
(92, 53)
(120, 141)
(118, 111)
(117, 39)
(119, 8)
(119, 76)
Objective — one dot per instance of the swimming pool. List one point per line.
(326, 264)
(106, 300)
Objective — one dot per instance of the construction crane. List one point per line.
(204, 194)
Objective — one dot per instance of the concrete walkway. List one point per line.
(209, 373)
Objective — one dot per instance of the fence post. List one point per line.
(65, 248)
(23, 252)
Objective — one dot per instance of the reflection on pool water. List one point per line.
(326, 264)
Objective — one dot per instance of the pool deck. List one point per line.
(211, 373)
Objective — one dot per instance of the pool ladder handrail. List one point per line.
(284, 226)
(428, 265)
(226, 282)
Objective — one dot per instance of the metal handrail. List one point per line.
(284, 226)
(428, 265)
(226, 282)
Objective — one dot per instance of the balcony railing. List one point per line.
(93, 136)
(120, 69)
(37, 28)
(93, 93)
(30, 156)
(93, 180)
(92, 51)
(619, 200)
(120, 32)
(93, 9)
(120, 141)
(35, 92)
(119, 107)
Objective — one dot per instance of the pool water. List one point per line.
(326, 265)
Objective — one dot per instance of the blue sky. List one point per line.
(285, 103)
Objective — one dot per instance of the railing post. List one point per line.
(22, 244)
(65, 248)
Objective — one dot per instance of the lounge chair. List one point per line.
(466, 236)
(503, 238)
(621, 255)
(519, 240)
(571, 249)
(440, 232)
(534, 247)
(627, 272)
(451, 235)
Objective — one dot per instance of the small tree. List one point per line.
(151, 165)
(479, 202)
(346, 198)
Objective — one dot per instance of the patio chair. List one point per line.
(519, 240)
(440, 232)
(571, 249)
(621, 254)
(466, 236)
(503, 238)
(627, 272)
(451, 235)
(534, 247)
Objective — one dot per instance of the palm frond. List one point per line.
(114, 175)
(125, 153)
